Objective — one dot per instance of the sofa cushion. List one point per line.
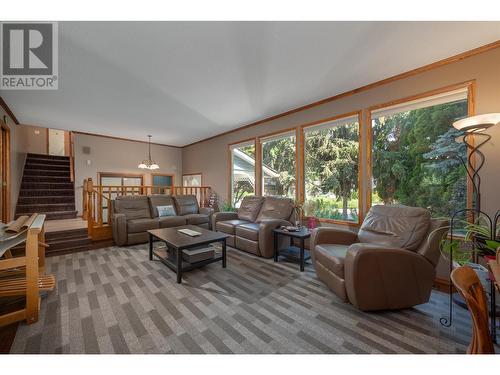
(332, 256)
(250, 207)
(172, 221)
(133, 206)
(142, 225)
(156, 200)
(186, 204)
(196, 219)
(249, 231)
(229, 226)
(395, 226)
(275, 208)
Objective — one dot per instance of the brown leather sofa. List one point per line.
(389, 264)
(134, 215)
(251, 227)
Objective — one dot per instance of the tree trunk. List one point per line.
(345, 201)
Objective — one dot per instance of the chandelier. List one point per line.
(149, 163)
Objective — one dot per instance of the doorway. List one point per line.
(4, 172)
(56, 142)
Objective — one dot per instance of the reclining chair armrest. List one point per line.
(266, 239)
(380, 277)
(209, 211)
(206, 211)
(223, 216)
(332, 235)
(119, 228)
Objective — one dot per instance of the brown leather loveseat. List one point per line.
(389, 264)
(251, 227)
(134, 215)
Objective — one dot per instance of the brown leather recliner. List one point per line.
(251, 228)
(389, 264)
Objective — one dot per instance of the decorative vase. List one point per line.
(312, 222)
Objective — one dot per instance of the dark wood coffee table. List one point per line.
(292, 253)
(176, 242)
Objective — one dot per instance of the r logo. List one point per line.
(29, 56)
(27, 49)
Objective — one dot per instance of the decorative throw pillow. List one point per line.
(165, 211)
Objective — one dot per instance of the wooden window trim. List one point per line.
(194, 174)
(262, 138)
(230, 165)
(153, 175)
(470, 86)
(6, 191)
(359, 115)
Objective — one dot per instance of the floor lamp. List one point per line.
(474, 137)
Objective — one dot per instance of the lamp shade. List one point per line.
(476, 123)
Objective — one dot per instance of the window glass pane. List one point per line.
(111, 181)
(278, 166)
(242, 173)
(331, 158)
(416, 160)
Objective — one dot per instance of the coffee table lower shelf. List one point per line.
(171, 260)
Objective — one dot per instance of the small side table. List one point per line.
(292, 253)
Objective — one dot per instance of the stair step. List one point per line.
(44, 156)
(48, 192)
(69, 250)
(50, 179)
(45, 173)
(50, 207)
(27, 200)
(71, 233)
(47, 161)
(68, 243)
(46, 167)
(52, 215)
(47, 186)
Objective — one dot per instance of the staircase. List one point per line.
(67, 241)
(46, 188)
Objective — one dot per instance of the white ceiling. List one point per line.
(185, 81)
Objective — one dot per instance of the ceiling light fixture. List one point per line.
(149, 163)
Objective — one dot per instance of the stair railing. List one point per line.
(97, 202)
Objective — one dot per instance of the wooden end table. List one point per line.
(292, 253)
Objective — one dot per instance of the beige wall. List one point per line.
(211, 156)
(114, 155)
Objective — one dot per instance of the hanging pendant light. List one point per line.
(149, 163)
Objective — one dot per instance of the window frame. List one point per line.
(469, 86)
(230, 148)
(261, 139)
(359, 115)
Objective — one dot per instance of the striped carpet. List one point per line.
(114, 300)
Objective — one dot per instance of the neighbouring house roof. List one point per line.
(244, 166)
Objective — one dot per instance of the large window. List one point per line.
(279, 165)
(242, 171)
(331, 169)
(416, 154)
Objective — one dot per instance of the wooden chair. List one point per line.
(468, 284)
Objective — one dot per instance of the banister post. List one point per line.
(84, 200)
(90, 208)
